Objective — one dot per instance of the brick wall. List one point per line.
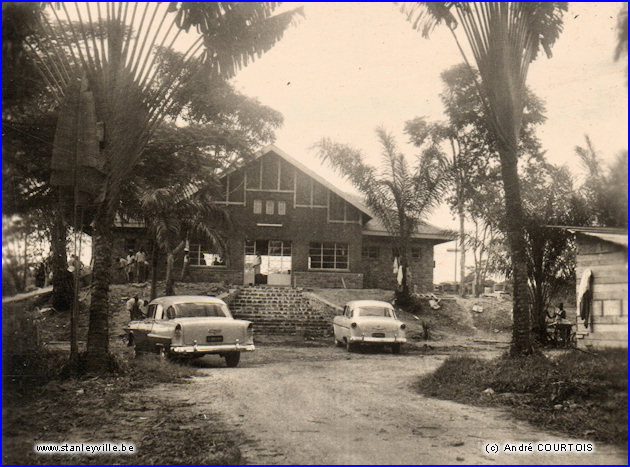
(378, 272)
(202, 274)
(328, 279)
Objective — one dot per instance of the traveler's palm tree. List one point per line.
(172, 217)
(399, 195)
(115, 51)
(504, 38)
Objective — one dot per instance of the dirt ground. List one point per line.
(321, 405)
(297, 401)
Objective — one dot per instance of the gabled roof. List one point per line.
(616, 235)
(279, 152)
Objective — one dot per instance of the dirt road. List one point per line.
(320, 405)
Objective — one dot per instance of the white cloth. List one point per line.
(399, 278)
(584, 287)
(395, 268)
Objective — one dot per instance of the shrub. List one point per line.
(25, 362)
(578, 393)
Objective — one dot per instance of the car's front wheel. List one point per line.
(395, 349)
(349, 346)
(338, 343)
(232, 359)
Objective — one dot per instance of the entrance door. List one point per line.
(268, 262)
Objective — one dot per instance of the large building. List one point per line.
(294, 228)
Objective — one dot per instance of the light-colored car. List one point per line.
(191, 326)
(369, 322)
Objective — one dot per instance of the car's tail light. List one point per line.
(403, 326)
(354, 325)
(177, 335)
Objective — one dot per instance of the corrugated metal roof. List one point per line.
(617, 239)
(616, 235)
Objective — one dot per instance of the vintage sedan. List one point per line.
(189, 326)
(369, 322)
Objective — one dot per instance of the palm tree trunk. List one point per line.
(170, 277)
(538, 312)
(521, 332)
(154, 266)
(61, 277)
(98, 331)
(462, 262)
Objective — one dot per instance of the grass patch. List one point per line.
(582, 395)
(115, 408)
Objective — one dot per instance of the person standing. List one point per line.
(186, 265)
(141, 259)
(122, 265)
(131, 266)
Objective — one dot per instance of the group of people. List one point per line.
(135, 266)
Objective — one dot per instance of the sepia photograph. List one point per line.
(328, 233)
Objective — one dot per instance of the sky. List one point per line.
(347, 68)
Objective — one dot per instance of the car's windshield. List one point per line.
(374, 311)
(193, 310)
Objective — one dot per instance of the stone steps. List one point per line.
(279, 310)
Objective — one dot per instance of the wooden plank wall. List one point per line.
(608, 324)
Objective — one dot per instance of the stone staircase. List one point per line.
(280, 310)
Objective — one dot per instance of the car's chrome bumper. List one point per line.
(377, 340)
(182, 349)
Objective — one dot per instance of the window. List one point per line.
(375, 311)
(200, 310)
(328, 256)
(282, 208)
(416, 252)
(269, 207)
(257, 206)
(369, 252)
(336, 210)
(202, 254)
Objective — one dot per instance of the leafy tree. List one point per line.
(621, 49)
(504, 37)
(120, 70)
(605, 188)
(550, 198)
(28, 127)
(466, 143)
(400, 195)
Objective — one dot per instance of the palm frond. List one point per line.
(113, 48)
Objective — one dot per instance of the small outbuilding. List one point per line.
(601, 286)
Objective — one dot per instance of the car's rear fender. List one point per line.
(214, 330)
